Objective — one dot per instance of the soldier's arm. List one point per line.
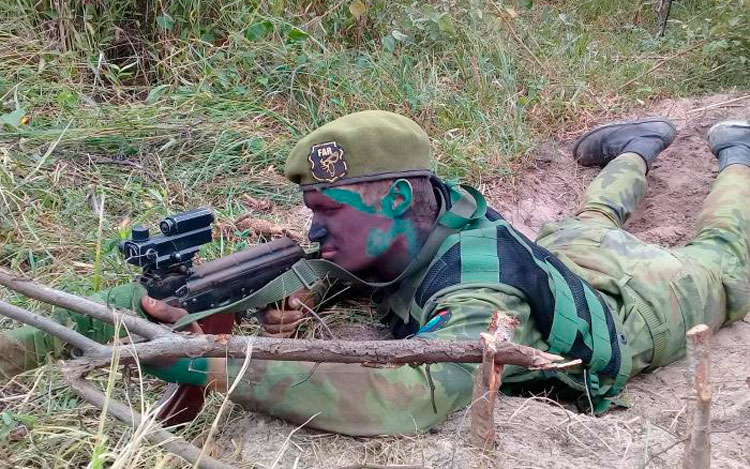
(357, 400)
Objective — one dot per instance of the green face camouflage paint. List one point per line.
(380, 240)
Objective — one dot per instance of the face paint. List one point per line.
(380, 240)
(350, 198)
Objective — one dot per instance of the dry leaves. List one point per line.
(260, 205)
(257, 227)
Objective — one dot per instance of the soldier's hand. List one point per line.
(167, 314)
(284, 321)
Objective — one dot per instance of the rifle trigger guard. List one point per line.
(304, 272)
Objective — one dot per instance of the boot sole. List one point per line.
(618, 124)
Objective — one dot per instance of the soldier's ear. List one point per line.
(399, 198)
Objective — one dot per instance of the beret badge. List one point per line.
(327, 162)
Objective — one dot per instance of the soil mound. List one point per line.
(538, 432)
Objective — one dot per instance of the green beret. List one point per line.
(364, 146)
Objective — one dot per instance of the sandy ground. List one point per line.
(540, 433)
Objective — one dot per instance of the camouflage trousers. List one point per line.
(660, 293)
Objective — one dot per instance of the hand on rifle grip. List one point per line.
(283, 322)
(167, 314)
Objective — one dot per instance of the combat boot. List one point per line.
(646, 137)
(730, 142)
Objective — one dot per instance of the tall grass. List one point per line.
(164, 105)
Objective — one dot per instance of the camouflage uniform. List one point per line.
(655, 295)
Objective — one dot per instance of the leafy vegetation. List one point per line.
(153, 107)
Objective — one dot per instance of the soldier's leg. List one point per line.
(615, 193)
(26, 347)
(613, 261)
(625, 152)
(722, 244)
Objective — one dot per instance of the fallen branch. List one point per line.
(698, 450)
(80, 305)
(177, 345)
(715, 105)
(382, 352)
(51, 327)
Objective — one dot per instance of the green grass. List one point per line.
(168, 105)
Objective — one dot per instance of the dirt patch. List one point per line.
(538, 432)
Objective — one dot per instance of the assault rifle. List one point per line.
(169, 275)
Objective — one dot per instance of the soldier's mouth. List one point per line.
(328, 253)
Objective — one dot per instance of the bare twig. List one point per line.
(328, 351)
(715, 105)
(698, 450)
(51, 327)
(139, 326)
(167, 344)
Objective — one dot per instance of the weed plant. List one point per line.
(165, 105)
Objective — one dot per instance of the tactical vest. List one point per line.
(486, 251)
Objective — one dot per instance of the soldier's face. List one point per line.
(347, 229)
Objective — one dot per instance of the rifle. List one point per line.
(169, 275)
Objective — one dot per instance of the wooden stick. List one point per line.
(698, 449)
(177, 345)
(156, 434)
(136, 325)
(325, 351)
(715, 105)
(51, 327)
(487, 381)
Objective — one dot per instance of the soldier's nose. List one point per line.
(317, 233)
